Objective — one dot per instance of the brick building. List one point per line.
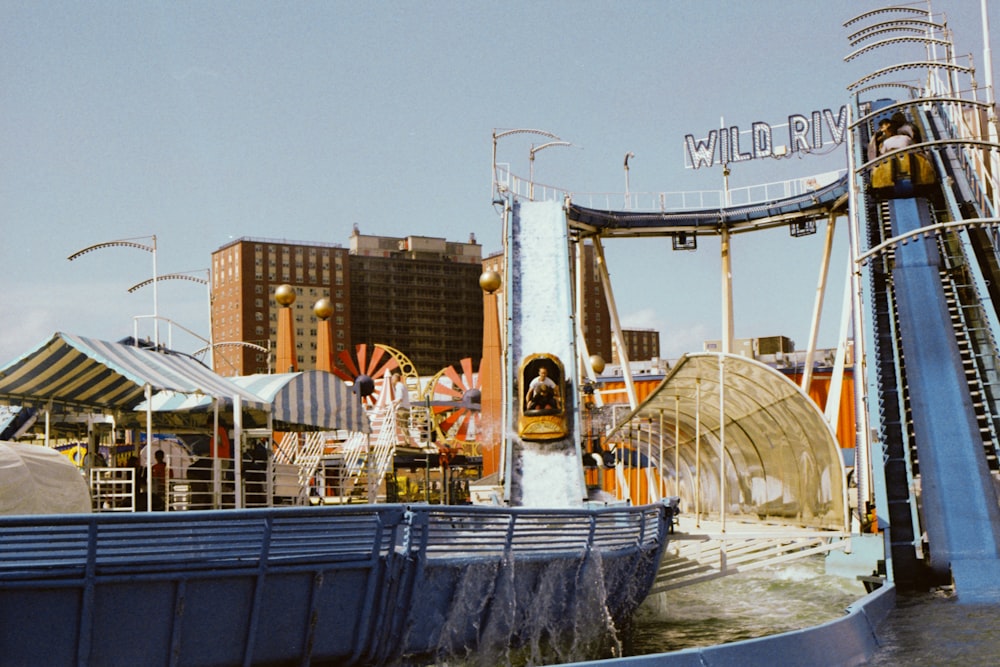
(641, 344)
(417, 294)
(245, 273)
(420, 295)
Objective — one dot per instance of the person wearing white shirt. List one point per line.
(401, 399)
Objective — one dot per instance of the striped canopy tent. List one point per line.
(86, 373)
(77, 373)
(303, 401)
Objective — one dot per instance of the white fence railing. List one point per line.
(520, 188)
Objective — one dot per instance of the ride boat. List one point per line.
(347, 585)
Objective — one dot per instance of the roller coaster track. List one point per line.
(796, 209)
(924, 363)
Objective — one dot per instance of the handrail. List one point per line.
(70, 545)
(666, 201)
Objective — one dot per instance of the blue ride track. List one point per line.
(959, 507)
(812, 205)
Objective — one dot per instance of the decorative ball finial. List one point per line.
(597, 363)
(284, 295)
(323, 308)
(489, 281)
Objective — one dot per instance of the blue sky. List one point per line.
(201, 122)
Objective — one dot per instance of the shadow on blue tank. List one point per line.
(542, 391)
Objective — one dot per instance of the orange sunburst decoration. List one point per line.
(364, 369)
(455, 400)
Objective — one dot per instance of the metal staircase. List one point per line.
(304, 451)
(367, 459)
(975, 342)
(693, 557)
(898, 454)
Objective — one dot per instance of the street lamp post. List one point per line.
(628, 203)
(504, 133)
(132, 243)
(187, 275)
(531, 164)
(237, 343)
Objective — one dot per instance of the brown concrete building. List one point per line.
(641, 344)
(419, 295)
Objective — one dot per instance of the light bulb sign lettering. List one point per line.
(805, 134)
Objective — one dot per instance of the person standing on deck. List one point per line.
(401, 399)
(160, 475)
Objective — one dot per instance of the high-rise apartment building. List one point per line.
(596, 316)
(641, 344)
(245, 273)
(419, 295)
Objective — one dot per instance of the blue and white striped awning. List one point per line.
(308, 399)
(312, 398)
(95, 374)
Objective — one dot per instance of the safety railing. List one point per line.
(400, 575)
(205, 484)
(67, 545)
(113, 489)
(456, 531)
(693, 200)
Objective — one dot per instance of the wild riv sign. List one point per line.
(805, 134)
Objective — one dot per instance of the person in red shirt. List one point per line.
(160, 475)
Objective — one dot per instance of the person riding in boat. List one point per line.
(543, 394)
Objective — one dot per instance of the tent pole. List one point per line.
(216, 461)
(722, 441)
(148, 389)
(238, 450)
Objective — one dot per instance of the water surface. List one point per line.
(743, 606)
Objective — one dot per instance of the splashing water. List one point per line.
(534, 612)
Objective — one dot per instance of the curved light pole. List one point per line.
(236, 343)
(505, 133)
(188, 275)
(531, 164)
(628, 198)
(132, 243)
